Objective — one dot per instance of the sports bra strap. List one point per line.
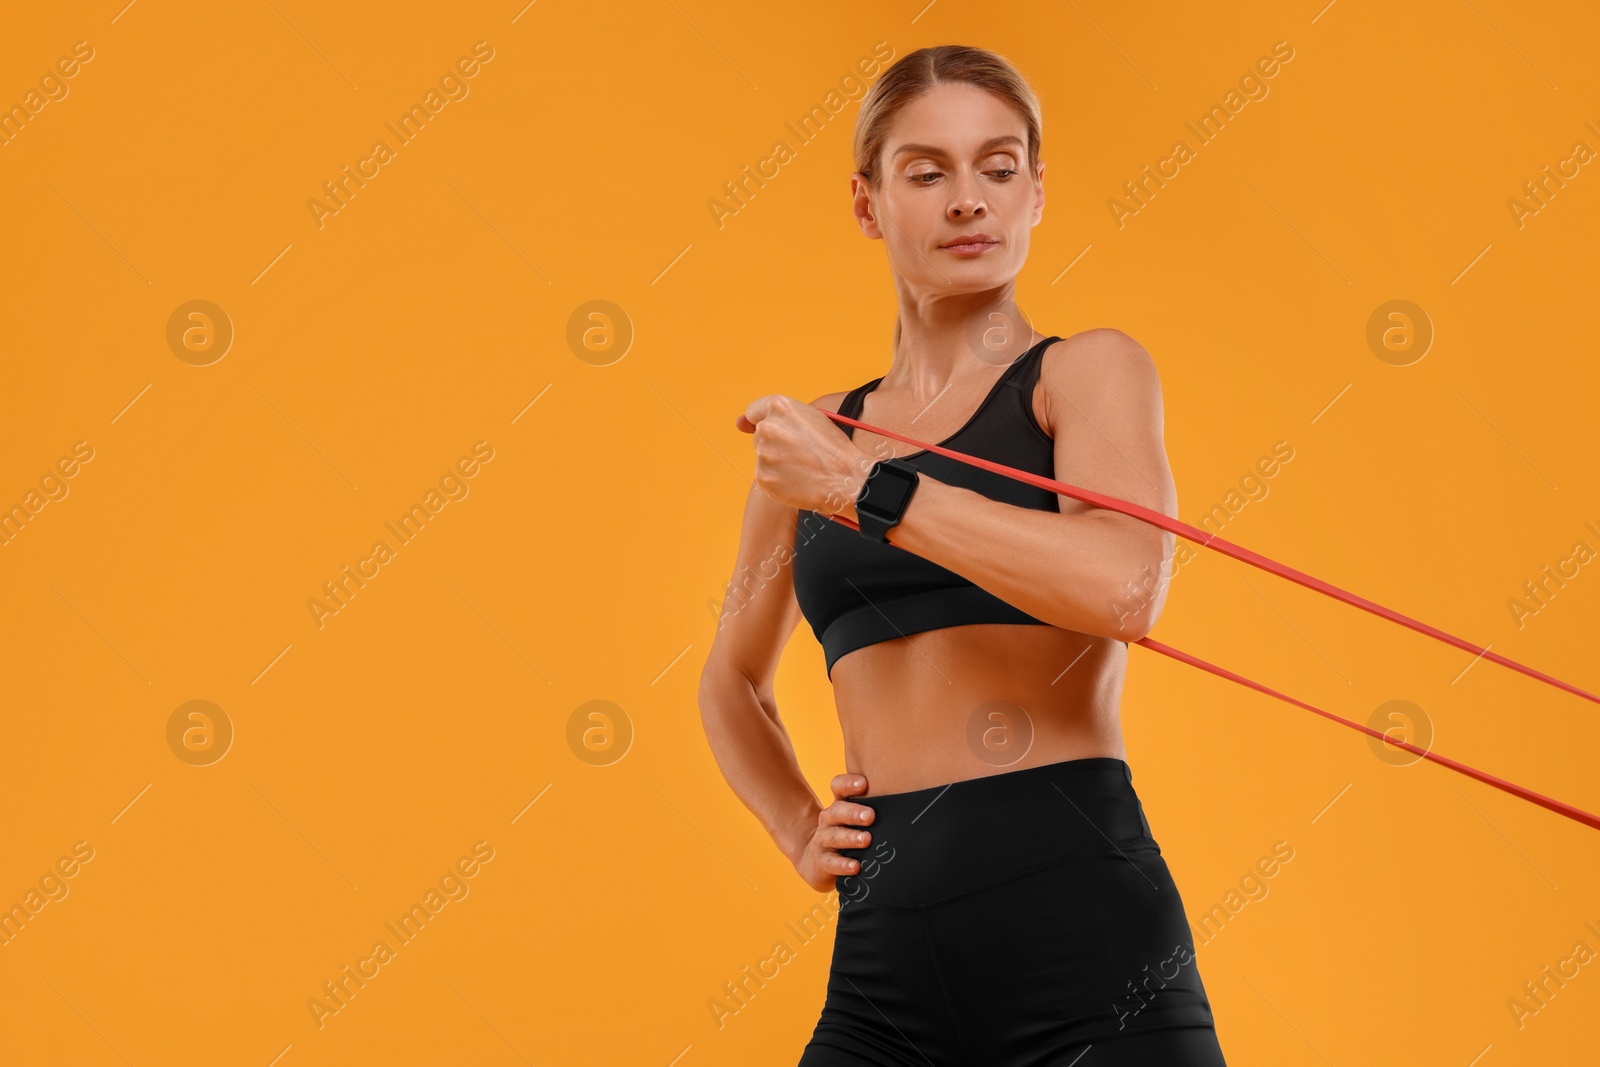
(1027, 375)
(853, 402)
(1023, 376)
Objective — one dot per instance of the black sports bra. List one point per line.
(856, 592)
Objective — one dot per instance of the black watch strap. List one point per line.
(884, 497)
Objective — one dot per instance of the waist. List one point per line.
(933, 844)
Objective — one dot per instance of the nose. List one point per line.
(968, 200)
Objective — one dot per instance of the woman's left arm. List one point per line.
(1084, 569)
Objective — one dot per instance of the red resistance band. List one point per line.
(1209, 540)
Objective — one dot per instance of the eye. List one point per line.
(1009, 174)
(917, 178)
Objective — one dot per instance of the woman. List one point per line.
(1001, 898)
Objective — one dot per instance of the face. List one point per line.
(954, 164)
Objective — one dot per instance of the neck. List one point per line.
(937, 351)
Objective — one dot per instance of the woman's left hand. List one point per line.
(802, 458)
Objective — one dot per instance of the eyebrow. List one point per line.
(983, 149)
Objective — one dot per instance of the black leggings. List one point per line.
(1023, 919)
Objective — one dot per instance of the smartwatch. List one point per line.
(884, 496)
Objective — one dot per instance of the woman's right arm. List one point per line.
(740, 714)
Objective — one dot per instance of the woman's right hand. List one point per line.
(839, 825)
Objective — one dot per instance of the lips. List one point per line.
(970, 242)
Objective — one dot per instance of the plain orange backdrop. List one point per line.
(446, 707)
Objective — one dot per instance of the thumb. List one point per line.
(753, 414)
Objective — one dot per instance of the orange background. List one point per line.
(590, 554)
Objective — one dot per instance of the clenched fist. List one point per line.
(802, 458)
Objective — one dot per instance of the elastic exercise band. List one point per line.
(1499, 783)
(1183, 529)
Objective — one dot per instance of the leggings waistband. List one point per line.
(935, 843)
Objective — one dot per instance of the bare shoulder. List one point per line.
(1101, 351)
(830, 401)
(1095, 370)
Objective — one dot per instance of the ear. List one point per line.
(1038, 198)
(861, 204)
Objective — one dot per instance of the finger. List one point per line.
(849, 785)
(843, 837)
(759, 409)
(834, 863)
(844, 813)
(745, 425)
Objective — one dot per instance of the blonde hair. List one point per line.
(917, 72)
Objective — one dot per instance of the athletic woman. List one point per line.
(1002, 900)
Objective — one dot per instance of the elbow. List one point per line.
(1131, 633)
(716, 725)
(724, 687)
(1129, 609)
(706, 691)
(1130, 626)
(718, 673)
(711, 697)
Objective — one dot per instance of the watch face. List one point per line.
(887, 491)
